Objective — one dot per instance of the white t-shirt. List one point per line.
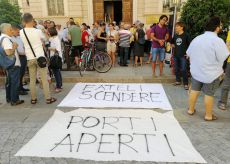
(55, 43)
(35, 37)
(8, 45)
(207, 54)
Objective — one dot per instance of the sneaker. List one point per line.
(221, 106)
(18, 102)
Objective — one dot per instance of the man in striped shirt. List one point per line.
(124, 43)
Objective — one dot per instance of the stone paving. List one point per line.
(19, 124)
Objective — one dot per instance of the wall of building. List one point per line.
(147, 11)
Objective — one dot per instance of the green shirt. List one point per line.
(75, 33)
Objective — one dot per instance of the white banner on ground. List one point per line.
(112, 135)
(117, 95)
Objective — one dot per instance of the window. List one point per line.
(55, 7)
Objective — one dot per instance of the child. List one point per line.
(55, 47)
(180, 43)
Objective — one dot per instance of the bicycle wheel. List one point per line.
(102, 62)
(82, 64)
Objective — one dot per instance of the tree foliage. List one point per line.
(196, 12)
(9, 13)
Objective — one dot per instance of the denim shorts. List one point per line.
(208, 88)
(158, 51)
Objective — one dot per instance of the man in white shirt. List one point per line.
(13, 73)
(36, 39)
(22, 57)
(207, 54)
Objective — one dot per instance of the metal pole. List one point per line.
(174, 20)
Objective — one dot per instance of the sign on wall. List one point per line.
(111, 135)
(117, 95)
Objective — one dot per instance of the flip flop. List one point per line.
(213, 118)
(50, 100)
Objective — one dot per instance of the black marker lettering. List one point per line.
(84, 143)
(121, 142)
(71, 120)
(110, 123)
(60, 143)
(101, 142)
(90, 118)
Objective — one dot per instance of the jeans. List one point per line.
(22, 69)
(12, 84)
(58, 77)
(158, 51)
(124, 52)
(225, 86)
(180, 64)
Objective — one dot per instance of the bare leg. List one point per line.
(208, 102)
(161, 65)
(193, 95)
(76, 61)
(136, 58)
(141, 61)
(154, 68)
(113, 58)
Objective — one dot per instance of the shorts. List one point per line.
(158, 51)
(111, 47)
(76, 51)
(208, 88)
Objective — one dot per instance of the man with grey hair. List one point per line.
(13, 73)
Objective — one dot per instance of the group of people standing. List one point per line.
(28, 45)
(109, 38)
(206, 54)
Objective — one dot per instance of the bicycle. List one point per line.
(93, 59)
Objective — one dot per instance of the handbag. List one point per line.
(42, 61)
(56, 61)
(6, 62)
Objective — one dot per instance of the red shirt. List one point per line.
(84, 34)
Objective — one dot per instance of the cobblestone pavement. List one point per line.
(19, 124)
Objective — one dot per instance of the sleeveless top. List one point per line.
(103, 34)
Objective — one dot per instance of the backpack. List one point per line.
(56, 61)
(6, 62)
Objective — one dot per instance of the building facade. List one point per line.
(89, 11)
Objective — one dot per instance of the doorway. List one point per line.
(113, 11)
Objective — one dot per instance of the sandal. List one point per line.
(212, 119)
(51, 100)
(33, 101)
